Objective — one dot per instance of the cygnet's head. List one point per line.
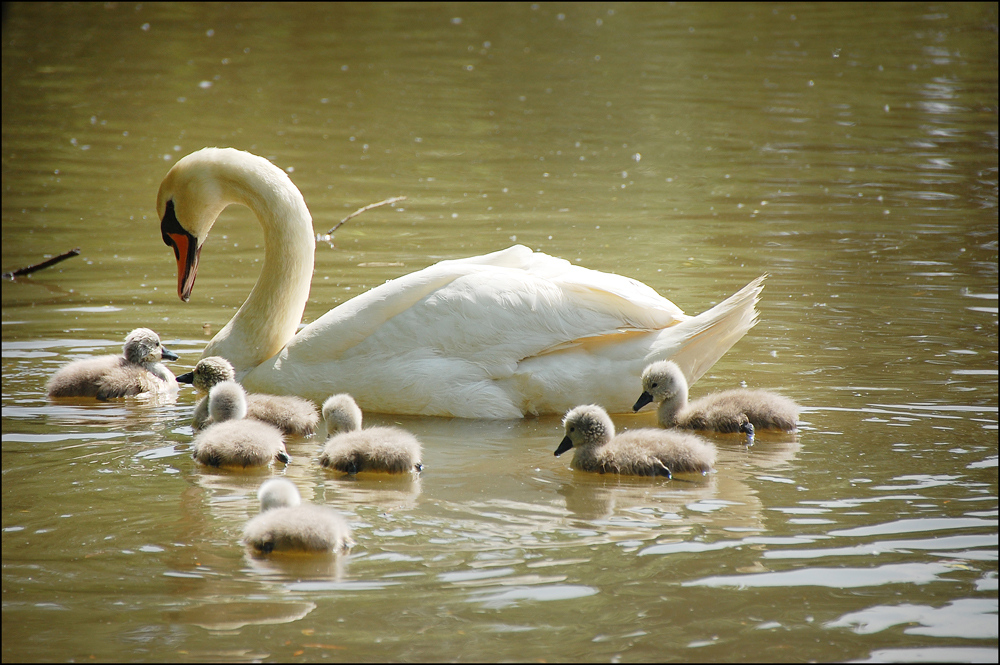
(142, 347)
(662, 381)
(341, 414)
(227, 401)
(278, 493)
(586, 425)
(208, 373)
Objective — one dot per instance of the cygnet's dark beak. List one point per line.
(186, 378)
(565, 445)
(644, 399)
(748, 429)
(168, 354)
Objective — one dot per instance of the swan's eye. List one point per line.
(655, 385)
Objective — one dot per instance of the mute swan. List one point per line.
(502, 335)
(285, 524)
(736, 410)
(232, 439)
(137, 370)
(290, 414)
(351, 449)
(637, 452)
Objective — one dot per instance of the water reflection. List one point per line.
(233, 615)
(707, 144)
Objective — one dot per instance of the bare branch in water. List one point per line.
(44, 264)
(361, 210)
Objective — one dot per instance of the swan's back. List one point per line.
(286, 525)
(239, 443)
(654, 452)
(290, 414)
(82, 378)
(511, 333)
(724, 411)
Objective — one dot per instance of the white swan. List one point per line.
(502, 335)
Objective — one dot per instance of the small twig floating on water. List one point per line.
(358, 212)
(39, 266)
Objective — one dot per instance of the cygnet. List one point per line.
(351, 449)
(138, 370)
(285, 524)
(290, 414)
(233, 439)
(738, 410)
(638, 452)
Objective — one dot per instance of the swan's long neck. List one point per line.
(269, 317)
(676, 400)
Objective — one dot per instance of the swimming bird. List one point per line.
(638, 452)
(138, 370)
(351, 449)
(737, 410)
(233, 439)
(290, 414)
(285, 524)
(501, 335)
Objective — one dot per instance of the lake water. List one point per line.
(849, 151)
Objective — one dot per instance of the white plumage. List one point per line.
(502, 335)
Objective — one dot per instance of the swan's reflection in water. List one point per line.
(385, 492)
(286, 567)
(229, 616)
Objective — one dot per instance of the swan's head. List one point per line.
(662, 381)
(278, 493)
(142, 347)
(227, 401)
(196, 190)
(208, 373)
(587, 425)
(341, 414)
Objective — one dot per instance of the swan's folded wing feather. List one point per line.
(543, 302)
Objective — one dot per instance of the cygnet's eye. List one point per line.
(655, 384)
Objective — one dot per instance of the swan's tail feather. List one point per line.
(709, 335)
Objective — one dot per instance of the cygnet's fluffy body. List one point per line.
(726, 411)
(285, 524)
(638, 452)
(290, 414)
(351, 449)
(233, 439)
(138, 370)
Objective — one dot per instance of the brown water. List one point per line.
(848, 150)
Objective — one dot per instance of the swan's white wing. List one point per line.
(437, 340)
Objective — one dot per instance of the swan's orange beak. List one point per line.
(186, 250)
